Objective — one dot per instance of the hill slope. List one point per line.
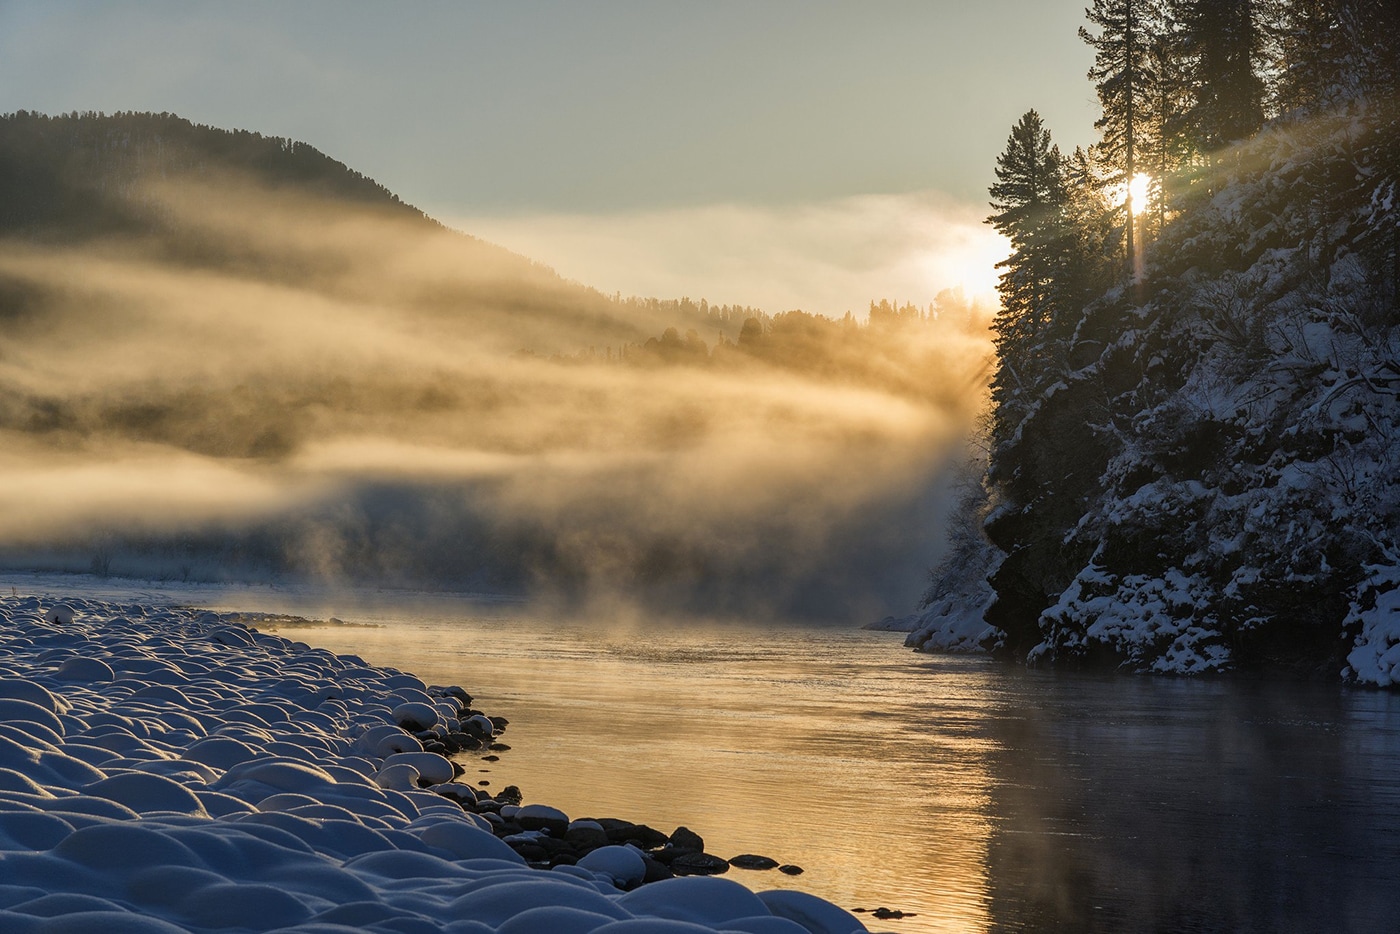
(225, 355)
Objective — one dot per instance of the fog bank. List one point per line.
(268, 386)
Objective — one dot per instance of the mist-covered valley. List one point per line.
(228, 357)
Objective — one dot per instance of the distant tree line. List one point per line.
(893, 348)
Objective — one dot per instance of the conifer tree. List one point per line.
(1224, 45)
(1167, 148)
(1028, 199)
(1122, 76)
(1096, 238)
(1310, 51)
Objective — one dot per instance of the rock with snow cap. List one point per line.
(543, 817)
(61, 613)
(208, 777)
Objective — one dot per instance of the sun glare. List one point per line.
(1138, 189)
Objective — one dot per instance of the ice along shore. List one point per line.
(171, 770)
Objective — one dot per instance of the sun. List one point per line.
(1138, 189)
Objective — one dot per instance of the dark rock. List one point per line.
(465, 741)
(555, 846)
(490, 758)
(483, 783)
(686, 840)
(541, 817)
(462, 794)
(698, 864)
(509, 795)
(498, 722)
(586, 838)
(485, 806)
(506, 828)
(532, 852)
(790, 870)
(562, 859)
(457, 694)
(499, 747)
(621, 831)
(655, 871)
(887, 914)
(750, 861)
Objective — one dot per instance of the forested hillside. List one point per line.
(274, 209)
(227, 356)
(1194, 447)
(83, 174)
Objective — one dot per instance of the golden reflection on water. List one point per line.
(835, 750)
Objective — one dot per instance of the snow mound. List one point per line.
(171, 771)
(1376, 614)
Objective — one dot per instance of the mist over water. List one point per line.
(264, 385)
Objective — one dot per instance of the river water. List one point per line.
(977, 797)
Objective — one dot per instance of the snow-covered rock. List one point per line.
(167, 771)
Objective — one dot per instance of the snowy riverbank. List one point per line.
(166, 770)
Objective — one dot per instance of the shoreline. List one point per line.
(217, 758)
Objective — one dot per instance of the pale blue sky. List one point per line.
(490, 114)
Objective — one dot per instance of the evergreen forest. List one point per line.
(1191, 463)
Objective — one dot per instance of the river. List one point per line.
(975, 796)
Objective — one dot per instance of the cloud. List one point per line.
(828, 257)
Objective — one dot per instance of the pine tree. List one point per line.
(1167, 149)
(1090, 266)
(1028, 199)
(1309, 63)
(1224, 46)
(1122, 76)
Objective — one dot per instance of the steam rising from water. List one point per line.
(296, 388)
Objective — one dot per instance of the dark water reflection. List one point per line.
(1148, 805)
(979, 797)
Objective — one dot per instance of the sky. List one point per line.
(781, 154)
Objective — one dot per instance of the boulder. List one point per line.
(698, 864)
(750, 861)
(685, 840)
(542, 817)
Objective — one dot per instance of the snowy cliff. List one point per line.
(1207, 475)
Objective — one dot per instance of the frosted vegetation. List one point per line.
(1195, 433)
(170, 770)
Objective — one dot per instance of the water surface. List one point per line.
(979, 797)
